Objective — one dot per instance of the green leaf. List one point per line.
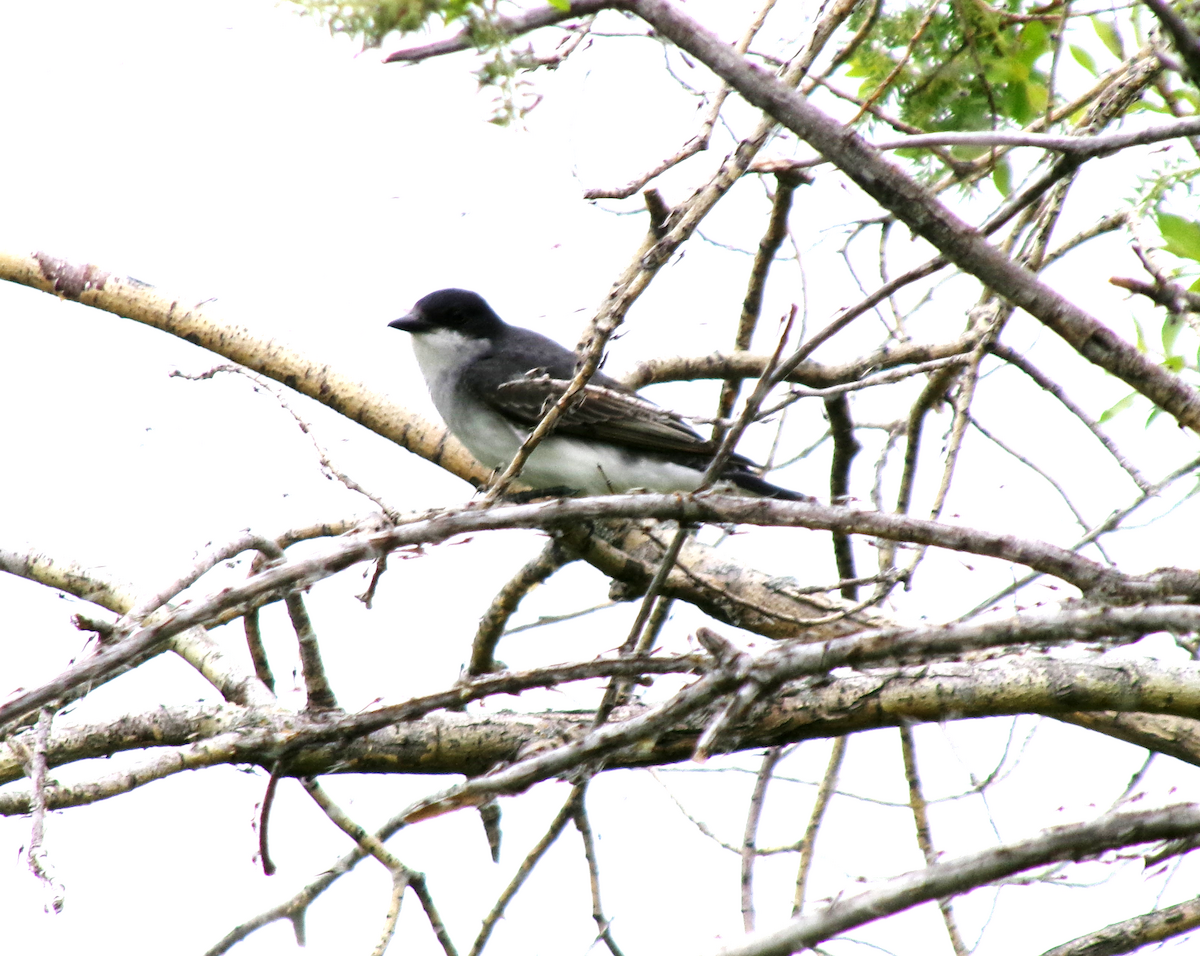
(1084, 59)
(1107, 32)
(1034, 42)
(1002, 177)
(1170, 332)
(1141, 336)
(564, 5)
(1126, 402)
(1154, 413)
(1195, 286)
(1036, 94)
(1142, 106)
(1182, 236)
(1174, 363)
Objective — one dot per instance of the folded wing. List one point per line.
(599, 413)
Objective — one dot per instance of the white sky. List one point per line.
(232, 151)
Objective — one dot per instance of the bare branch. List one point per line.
(814, 375)
(700, 141)
(130, 299)
(1186, 41)
(743, 675)
(491, 625)
(1084, 574)
(750, 834)
(1131, 934)
(402, 876)
(1157, 703)
(192, 645)
(916, 800)
(531, 860)
(1170, 295)
(1074, 842)
(316, 684)
(583, 825)
(845, 447)
(39, 863)
(897, 192)
(1085, 147)
(507, 26)
(768, 246)
(820, 804)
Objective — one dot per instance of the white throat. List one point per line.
(441, 353)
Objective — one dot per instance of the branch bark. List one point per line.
(1144, 702)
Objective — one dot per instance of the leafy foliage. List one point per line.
(959, 66)
(372, 20)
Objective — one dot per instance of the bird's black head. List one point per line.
(456, 310)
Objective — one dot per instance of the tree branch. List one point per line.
(130, 299)
(951, 878)
(1131, 934)
(1088, 576)
(508, 26)
(914, 206)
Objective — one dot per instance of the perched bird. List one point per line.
(492, 383)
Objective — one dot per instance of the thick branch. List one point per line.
(135, 300)
(1087, 575)
(1131, 934)
(471, 744)
(739, 365)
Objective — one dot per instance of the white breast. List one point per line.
(489, 437)
(594, 468)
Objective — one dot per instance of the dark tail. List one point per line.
(748, 481)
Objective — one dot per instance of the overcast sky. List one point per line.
(233, 153)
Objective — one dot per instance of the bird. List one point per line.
(492, 382)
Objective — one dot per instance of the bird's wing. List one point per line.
(599, 413)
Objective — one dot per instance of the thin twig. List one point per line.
(698, 143)
(916, 800)
(258, 652)
(638, 640)
(991, 317)
(845, 447)
(264, 820)
(750, 834)
(402, 876)
(1016, 359)
(821, 802)
(506, 601)
(768, 246)
(326, 463)
(1110, 523)
(39, 863)
(583, 825)
(316, 682)
(882, 88)
(531, 860)
(957, 876)
(1048, 478)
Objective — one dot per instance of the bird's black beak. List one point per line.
(414, 322)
